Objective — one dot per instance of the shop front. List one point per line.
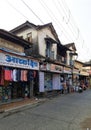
(16, 76)
(75, 77)
(84, 78)
(66, 73)
(66, 79)
(49, 77)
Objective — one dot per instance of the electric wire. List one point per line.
(54, 18)
(17, 10)
(68, 18)
(74, 24)
(69, 22)
(70, 29)
(79, 36)
(51, 16)
(66, 9)
(32, 11)
(22, 13)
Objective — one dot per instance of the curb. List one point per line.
(5, 113)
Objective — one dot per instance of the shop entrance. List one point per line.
(19, 90)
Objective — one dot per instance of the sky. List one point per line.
(80, 10)
(70, 18)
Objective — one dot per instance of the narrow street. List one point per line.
(65, 112)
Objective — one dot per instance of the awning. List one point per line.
(50, 40)
(84, 73)
(74, 53)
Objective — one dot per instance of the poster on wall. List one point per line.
(48, 82)
(41, 81)
(56, 81)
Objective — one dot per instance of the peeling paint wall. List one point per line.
(42, 34)
(10, 45)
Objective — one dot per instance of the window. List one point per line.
(29, 37)
(48, 49)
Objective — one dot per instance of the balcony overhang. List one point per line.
(75, 54)
(50, 40)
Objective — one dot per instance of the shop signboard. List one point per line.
(67, 70)
(43, 66)
(17, 61)
(51, 67)
(84, 73)
(56, 68)
(89, 72)
(75, 71)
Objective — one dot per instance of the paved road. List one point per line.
(65, 112)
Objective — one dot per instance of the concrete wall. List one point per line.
(42, 34)
(34, 38)
(26, 31)
(39, 45)
(10, 45)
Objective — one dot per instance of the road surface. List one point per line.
(64, 112)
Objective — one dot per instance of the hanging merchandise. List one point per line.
(22, 73)
(8, 75)
(1, 76)
(25, 75)
(18, 75)
(30, 75)
(34, 74)
(14, 75)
